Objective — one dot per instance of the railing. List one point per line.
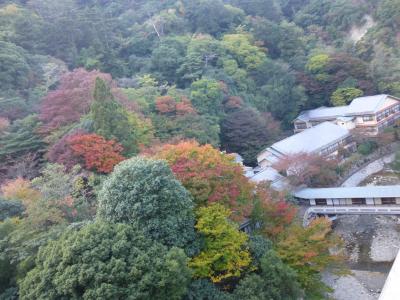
(311, 212)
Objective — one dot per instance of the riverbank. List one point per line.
(371, 244)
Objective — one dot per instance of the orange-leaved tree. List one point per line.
(210, 176)
(97, 153)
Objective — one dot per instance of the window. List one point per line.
(320, 202)
(368, 118)
(388, 201)
(358, 201)
(301, 125)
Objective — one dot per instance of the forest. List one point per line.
(117, 124)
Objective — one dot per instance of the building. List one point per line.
(323, 139)
(370, 114)
(342, 196)
(276, 180)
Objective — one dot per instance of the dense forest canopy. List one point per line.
(86, 85)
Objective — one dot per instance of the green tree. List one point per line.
(145, 193)
(108, 261)
(191, 126)
(317, 63)
(274, 280)
(279, 93)
(202, 54)
(206, 95)
(110, 119)
(220, 17)
(15, 69)
(203, 289)
(167, 58)
(225, 254)
(241, 47)
(22, 138)
(343, 96)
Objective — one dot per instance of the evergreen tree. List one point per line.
(110, 119)
(21, 139)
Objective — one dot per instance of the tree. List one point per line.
(109, 261)
(206, 95)
(203, 129)
(145, 193)
(20, 189)
(280, 94)
(70, 100)
(97, 153)
(203, 289)
(343, 96)
(240, 46)
(274, 280)
(10, 209)
(220, 17)
(307, 251)
(22, 138)
(110, 119)
(224, 255)
(210, 176)
(310, 169)
(272, 212)
(56, 187)
(15, 72)
(246, 132)
(61, 152)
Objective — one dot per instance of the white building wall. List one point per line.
(369, 201)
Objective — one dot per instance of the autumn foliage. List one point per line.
(210, 176)
(276, 213)
(71, 99)
(310, 169)
(90, 150)
(168, 106)
(308, 251)
(97, 153)
(20, 189)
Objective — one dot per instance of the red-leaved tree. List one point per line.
(71, 99)
(166, 105)
(92, 151)
(210, 176)
(97, 153)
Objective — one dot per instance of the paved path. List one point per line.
(371, 168)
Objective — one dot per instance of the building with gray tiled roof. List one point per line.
(370, 114)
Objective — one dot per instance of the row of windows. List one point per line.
(358, 201)
(387, 112)
(389, 122)
(368, 118)
(332, 148)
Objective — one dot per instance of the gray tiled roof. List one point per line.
(361, 105)
(323, 113)
(349, 192)
(312, 139)
(369, 104)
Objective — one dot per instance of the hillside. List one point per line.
(89, 85)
